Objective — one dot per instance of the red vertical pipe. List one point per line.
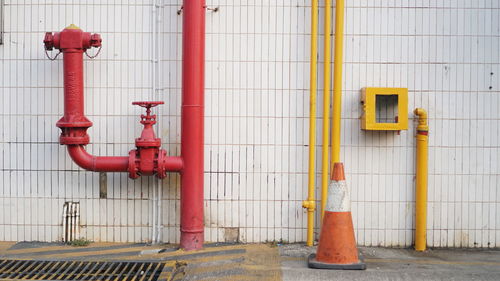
(193, 66)
(73, 85)
(72, 42)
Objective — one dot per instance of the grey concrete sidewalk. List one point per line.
(399, 264)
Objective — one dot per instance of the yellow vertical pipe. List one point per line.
(337, 79)
(421, 181)
(326, 106)
(310, 203)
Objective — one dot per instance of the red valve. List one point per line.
(145, 159)
(148, 138)
(147, 104)
(148, 118)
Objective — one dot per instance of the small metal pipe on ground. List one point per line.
(65, 222)
(77, 221)
(421, 181)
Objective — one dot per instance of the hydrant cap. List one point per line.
(72, 26)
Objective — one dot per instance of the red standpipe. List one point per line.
(193, 68)
(148, 158)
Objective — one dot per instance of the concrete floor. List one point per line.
(266, 261)
(217, 261)
(399, 264)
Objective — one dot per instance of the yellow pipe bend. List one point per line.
(422, 117)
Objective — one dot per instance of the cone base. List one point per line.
(313, 263)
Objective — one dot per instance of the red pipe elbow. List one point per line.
(97, 163)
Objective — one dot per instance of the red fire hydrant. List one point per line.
(72, 42)
(147, 159)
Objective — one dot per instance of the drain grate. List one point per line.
(80, 270)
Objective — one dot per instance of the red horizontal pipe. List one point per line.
(97, 163)
(174, 164)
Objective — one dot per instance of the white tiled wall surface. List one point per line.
(257, 105)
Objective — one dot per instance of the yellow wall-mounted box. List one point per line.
(384, 109)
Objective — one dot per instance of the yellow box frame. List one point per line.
(368, 99)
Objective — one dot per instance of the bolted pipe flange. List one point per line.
(133, 164)
(161, 171)
(74, 135)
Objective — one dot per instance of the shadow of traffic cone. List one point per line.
(337, 244)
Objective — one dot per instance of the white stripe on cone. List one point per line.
(338, 197)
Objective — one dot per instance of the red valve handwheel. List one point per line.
(147, 104)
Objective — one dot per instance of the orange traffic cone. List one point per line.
(337, 244)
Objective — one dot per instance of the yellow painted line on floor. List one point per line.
(181, 252)
(214, 258)
(67, 247)
(4, 249)
(35, 250)
(210, 269)
(6, 245)
(196, 260)
(231, 278)
(92, 253)
(165, 275)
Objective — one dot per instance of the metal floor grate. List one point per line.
(79, 270)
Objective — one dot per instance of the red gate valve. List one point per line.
(148, 158)
(148, 138)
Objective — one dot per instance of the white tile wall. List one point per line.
(257, 100)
